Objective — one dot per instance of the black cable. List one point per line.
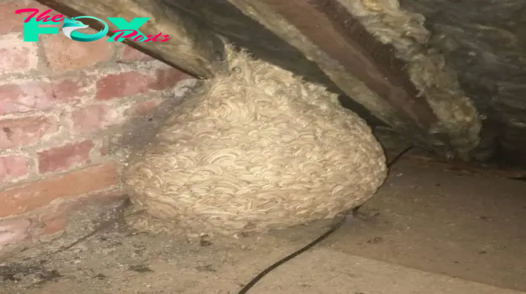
(329, 232)
(395, 159)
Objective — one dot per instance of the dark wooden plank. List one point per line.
(228, 21)
(309, 28)
(317, 39)
(193, 48)
(333, 30)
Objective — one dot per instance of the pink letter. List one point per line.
(43, 17)
(134, 32)
(157, 36)
(34, 10)
(58, 18)
(149, 38)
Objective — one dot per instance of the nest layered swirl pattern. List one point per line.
(256, 148)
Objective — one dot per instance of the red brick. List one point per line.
(167, 78)
(55, 217)
(132, 54)
(12, 22)
(55, 225)
(16, 55)
(25, 96)
(25, 131)
(24, 198)
(94, 118)
(13, 231)
(64, 54)
(122, 85)
(102, 147)
(144, 107)
(14, 59)
(13, 167)
(65, 157)
(37, 95)
(67, 88)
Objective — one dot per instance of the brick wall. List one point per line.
(60, 103)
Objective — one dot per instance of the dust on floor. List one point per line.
(427, 231)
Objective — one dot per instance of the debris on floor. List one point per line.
(429, 229)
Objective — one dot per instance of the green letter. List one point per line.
(122, 24)
(32, 30)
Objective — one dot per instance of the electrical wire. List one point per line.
(324, 236)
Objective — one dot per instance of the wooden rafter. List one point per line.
(327, 34)
(319, 39)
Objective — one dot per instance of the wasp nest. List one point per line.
(256, 148)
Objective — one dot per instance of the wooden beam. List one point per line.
(192, 48)
(345, 40)
(327, 34)
(229, 22)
